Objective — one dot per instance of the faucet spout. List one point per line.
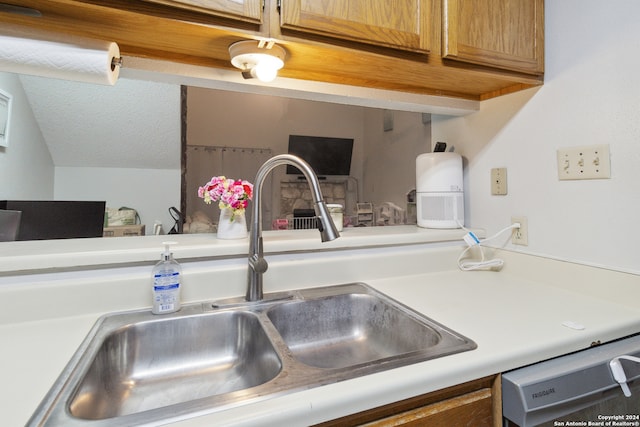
(257, 264)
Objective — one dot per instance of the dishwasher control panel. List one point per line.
(548, 390)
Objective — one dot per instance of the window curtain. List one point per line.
(203, 162)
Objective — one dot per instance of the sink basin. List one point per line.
(153, 364)
(351, 329)
(136, 368)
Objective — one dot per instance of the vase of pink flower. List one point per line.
(232, 196)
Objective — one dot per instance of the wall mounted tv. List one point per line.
(325, 155)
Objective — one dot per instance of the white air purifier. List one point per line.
(439, 190)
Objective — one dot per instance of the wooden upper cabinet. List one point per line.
(243, 10)
(399, 24)
(505, 34)
(490, 47)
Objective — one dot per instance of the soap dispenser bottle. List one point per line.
(166, 283)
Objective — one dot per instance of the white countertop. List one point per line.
(515, 316)
(65, 253)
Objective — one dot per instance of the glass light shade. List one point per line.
(266, 71)
(257, 59)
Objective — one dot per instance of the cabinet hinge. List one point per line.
(279, 5)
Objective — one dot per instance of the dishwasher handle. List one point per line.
(618, 372)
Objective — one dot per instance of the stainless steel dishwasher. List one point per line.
(586, 388)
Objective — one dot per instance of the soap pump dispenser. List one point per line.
(166, 283)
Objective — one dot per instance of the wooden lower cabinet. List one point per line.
(477, 403)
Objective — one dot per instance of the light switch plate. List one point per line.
(584, 162)
(499, 181)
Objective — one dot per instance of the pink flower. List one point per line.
(229, 193)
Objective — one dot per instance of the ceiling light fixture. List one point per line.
(257, 58)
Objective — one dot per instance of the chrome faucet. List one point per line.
(257, 263)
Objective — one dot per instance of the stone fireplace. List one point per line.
(296, 195)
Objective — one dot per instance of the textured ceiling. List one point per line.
(134, 124)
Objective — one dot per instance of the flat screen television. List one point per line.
(325, 155)
(44, 219)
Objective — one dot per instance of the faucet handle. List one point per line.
(258, 264)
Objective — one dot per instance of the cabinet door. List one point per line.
(391, 23)
(244, 10)
(476, 403)
(469, 409)
(507, 34)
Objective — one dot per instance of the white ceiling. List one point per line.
(133, 124)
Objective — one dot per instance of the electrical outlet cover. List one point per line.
(520, 236)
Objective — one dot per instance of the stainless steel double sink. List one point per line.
(136, 368)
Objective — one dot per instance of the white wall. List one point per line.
(26, 168)
(591, 95)
(383, 163)
(27, 171)
(150, 191)
(390, 157)
(235, 119)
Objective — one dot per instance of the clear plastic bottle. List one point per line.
(166, 283)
